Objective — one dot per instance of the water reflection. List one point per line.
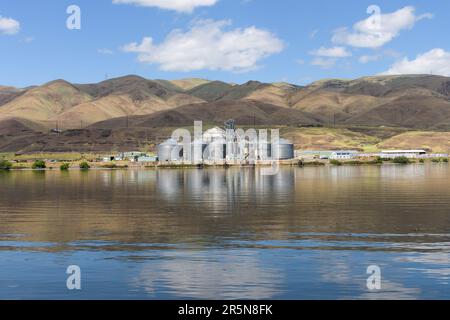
(233, 233)
(211, 275)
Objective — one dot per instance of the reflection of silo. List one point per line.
(170, 151)
(283, 150)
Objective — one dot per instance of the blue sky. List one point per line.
(228, 40)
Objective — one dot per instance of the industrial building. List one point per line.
(391, 154)
(343, 155)
(223, 146)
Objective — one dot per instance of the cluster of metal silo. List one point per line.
(215, 147)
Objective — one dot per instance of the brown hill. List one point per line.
(44, 102)
(244, 112)
(406, 102)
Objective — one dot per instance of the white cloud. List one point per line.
(435, 61)
(335, 52)
(376, 31)
(186, 6)
(364, 59)
(9, 26)
(324, 63)
(208, 45)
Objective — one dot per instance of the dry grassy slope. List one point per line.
(432, 141)
(244, 112)
(330, 106)
(277, 94)
(7, 94)
(116, 106)
(44, 102)
(417, 102)
(405, 101)
(329, 139)
(412, 111)
(188, 84)
(75, 105)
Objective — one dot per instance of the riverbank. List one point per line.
(40, 165)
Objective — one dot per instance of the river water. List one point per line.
(305, 233)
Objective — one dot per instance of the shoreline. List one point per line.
(128, 165)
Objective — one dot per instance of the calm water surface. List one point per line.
(306, 233)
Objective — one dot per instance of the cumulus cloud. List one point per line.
(208, 45)
(335, 52)
(435, 61)
(9, 26)
(378, 30)
(186, 6)
(364, 59)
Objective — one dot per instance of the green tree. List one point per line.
(39, 164)
(5, 165)
(335, 162)
(402, 160)
(84, 166)
(64, 167)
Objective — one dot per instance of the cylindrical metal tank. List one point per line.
(170, 151)
(264, 150)
(216, 151)
(283, 150)
(198, 148)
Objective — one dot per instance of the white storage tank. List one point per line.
(170, 150)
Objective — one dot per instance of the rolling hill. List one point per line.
(409, 103)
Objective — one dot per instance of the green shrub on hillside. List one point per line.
(84, 166)
(64, 167)
(5, 165)
(39, 164)
(402, 160)
(335, 162)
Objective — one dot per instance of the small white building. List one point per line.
(343, 155)
(392, 154)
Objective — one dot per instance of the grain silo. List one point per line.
(264, 150)
(215, 139)
(170, 150)
(198, 149)
(282, 150)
